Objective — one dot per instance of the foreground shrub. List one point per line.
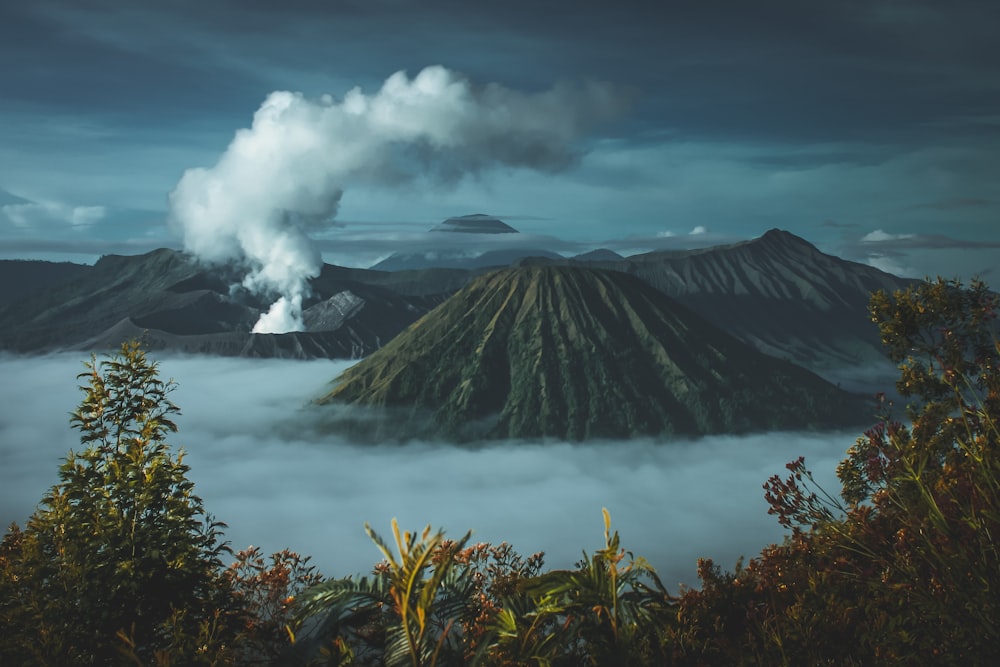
(120, 552)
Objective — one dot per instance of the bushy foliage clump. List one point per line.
(120, 563)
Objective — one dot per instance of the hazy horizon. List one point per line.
(279, 486)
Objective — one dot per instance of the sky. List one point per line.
(278, 485)
(871, 128)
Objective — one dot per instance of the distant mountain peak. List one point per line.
(477, 223)
(599, 255)
(780, 236)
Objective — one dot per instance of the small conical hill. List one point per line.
(577, 353)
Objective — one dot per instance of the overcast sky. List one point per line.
(871, 128)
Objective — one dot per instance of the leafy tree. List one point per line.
(930, 492)
(120, 559)
(904, 566)
(604, 612)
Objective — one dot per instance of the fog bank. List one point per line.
(671, 502)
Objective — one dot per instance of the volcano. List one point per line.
(576, 353)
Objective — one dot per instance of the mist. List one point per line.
(671, 502)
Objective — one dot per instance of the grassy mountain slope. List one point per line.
(578, 353)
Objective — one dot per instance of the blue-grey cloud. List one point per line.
(916, 255)
(44, 214)
(902, 241)
(879, 115)
(838, 225)
(954, 204)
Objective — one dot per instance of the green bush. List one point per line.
(120, 554)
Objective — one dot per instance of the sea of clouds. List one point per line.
(259, 468)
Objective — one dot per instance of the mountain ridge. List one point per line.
(776, 292)
(179, 304)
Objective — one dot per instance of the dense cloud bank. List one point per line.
(671, 502)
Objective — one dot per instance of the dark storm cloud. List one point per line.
(879, 114)
(953, 204)
(763, 70)
(95, 58)
(672, 503)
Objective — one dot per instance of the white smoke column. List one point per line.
(283, 177)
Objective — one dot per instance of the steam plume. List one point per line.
(283, 178)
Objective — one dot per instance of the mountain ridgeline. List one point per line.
(175, 303)
(576, 353)
(777, 293)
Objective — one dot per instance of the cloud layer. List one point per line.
(46, 214)
(241, 426)
(283, 178)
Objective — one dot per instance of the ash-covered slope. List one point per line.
(116, 287)
(577, 353)
(780, 294)
(777, 293)
(20, 278)
(177, 304)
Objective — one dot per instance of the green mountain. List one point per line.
(575, 353)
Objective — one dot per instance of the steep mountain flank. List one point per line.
(177, 304)
(19, 278)
(780, 294)
(777, 293)
(578, 353)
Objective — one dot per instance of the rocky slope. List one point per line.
(179, 305)
(777, 293)
(780, 294)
